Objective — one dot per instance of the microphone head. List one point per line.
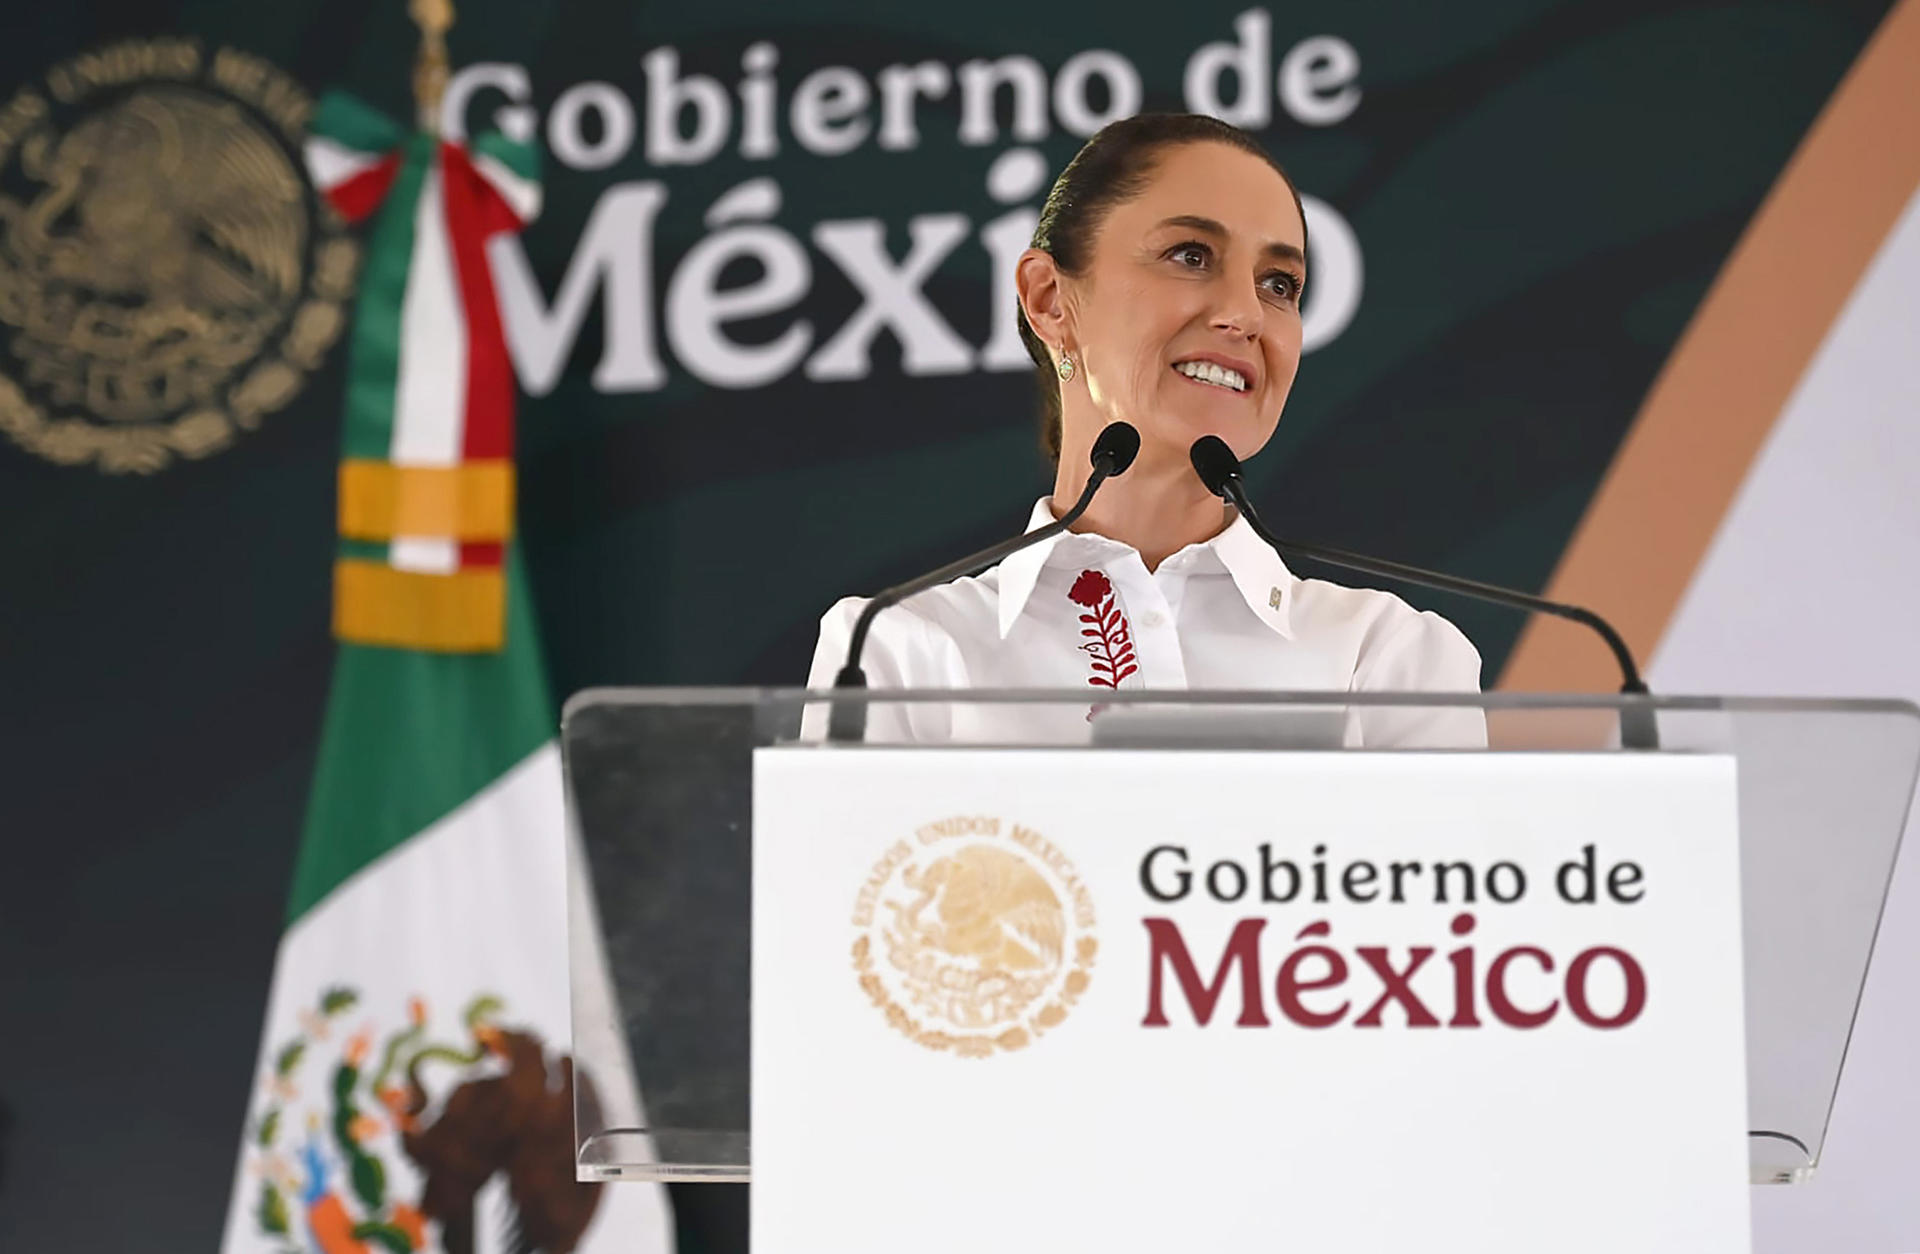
(1117, 446)
(1215, 463)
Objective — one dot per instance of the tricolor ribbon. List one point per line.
(426, 477)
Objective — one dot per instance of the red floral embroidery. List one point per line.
(1109, 638)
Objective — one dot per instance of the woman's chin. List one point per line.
(1232, 418)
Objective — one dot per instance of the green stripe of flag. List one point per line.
(521, 159)
(366, 550)
(410, 736)
(353, 124)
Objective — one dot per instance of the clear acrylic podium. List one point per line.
(659, 788)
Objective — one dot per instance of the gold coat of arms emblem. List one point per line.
(167, 277)
(974, 935)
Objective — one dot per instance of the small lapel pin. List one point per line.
(1273, 599)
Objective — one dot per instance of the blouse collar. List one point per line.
(1263, 580)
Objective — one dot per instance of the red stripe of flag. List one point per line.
(357, 197)
(475, 212)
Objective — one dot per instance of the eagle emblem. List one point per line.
(388, 1142)
(978, 937)
(167, 278)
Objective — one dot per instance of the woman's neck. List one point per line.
(1158, 507)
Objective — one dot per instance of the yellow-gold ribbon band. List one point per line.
(464, 611)
(470, 501)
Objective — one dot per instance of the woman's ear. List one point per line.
(1038, 279)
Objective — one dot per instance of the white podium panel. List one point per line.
(1077, 999)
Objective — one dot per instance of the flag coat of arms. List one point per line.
(414, 1090)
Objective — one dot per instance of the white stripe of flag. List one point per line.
(430, 395)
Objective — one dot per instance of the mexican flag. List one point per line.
(414, 1089)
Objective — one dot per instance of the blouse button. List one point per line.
(1153, 618)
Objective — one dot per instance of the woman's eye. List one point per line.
(1192, 256)
(1283, 285)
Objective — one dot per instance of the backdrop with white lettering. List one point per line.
(763, 334)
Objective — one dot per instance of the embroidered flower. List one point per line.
(1106, 635)
(1091, 588)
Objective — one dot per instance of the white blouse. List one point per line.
(1081, 611)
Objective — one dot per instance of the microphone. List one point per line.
(1118, 444)
(1219, 469)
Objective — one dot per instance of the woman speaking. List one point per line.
(1162, 289)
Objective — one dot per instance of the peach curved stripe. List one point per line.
(1714, 402)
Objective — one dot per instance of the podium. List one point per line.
(661, 793)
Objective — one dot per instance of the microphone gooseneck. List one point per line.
(1113, 451)
(1219, 470)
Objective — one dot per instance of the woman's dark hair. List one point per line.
(1111, 169)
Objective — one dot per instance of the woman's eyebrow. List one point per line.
(1207, 226)
(1284, 252)
(1194, 222)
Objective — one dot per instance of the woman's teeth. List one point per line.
(1207, 372)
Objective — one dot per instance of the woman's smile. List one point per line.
(1217, 371)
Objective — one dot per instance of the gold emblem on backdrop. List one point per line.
(974, 935)
(167, 277)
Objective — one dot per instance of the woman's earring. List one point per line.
(1065, 367)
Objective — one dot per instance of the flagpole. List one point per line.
(433, 17)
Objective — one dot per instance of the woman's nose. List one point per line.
(1239, 311)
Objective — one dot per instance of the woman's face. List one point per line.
(1186, 321)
